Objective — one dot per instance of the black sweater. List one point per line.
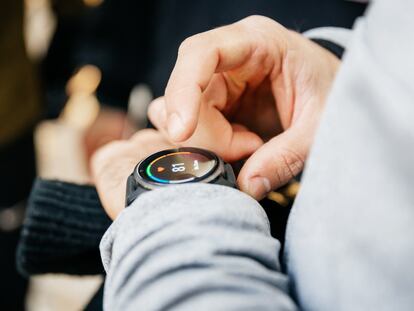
(62, 230)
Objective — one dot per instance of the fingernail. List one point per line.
(258, 187)
(175, 127)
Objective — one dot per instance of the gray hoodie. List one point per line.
(350, 235)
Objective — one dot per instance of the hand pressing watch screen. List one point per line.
(250, 90)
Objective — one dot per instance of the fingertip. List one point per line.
(253, 178)
(173, 124)
(276, 162)
(176, 129)
(157, 112)
(257, 186)
(183, 108)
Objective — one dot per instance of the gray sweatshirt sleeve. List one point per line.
(193, 247)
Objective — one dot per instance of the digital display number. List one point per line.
(179, 167)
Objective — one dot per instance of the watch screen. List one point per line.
(178, 166)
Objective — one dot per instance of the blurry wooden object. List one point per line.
(285, 195)
(59, 144)
(61, 155)
(61, 292)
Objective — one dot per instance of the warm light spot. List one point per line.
(278, 198)
(92, 3)
(85, 80)
(292, 189)
(80, 110)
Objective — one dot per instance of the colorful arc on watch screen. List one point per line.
(180, 167)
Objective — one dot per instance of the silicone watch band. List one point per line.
(133, 191)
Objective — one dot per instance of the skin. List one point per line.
(250, 90)
(113, 163)
(110, 124)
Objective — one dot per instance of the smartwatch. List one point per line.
(176, 167)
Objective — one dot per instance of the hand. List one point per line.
(114, 162)
(252, 87)
(110, 124)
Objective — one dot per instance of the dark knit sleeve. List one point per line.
(62, 230)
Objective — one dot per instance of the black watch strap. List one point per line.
(229, 179)
(332, 47)
(132, 191)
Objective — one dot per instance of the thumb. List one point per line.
(274, 163)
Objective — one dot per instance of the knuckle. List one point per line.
(263, 27)
(253, 18)
(144, 133)
(199, 43)
(106, 153)
(144, 136)
(97, 162)
(188, 44)
(291, 163)
(258, 20)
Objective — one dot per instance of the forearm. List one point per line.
(193, 247)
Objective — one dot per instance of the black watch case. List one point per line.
(139, 182)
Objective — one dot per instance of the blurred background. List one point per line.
(76, 74)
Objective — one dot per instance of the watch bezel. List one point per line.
(216, 172)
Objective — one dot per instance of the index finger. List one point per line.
(199, 57)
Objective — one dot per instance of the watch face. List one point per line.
(178, 166)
